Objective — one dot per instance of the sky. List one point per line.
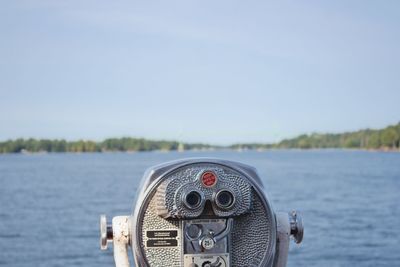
(217, 72)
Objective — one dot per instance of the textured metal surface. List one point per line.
(170, 192)
(253, 237)
(157, 257)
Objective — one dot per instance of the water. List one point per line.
(50, 204)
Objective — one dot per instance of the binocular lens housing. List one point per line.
(224, 199)
(193, 199)
(202, 213)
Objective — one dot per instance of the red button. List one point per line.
(208, 178)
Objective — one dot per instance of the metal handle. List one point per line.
(106, 232)
(296, 226)
(118, 233)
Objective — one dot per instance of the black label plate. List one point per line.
(156, 243)
(162, 234)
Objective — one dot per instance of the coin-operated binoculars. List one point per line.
(202, 213)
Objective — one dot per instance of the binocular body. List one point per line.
(202, 213)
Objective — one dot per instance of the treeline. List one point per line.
(387, 138)
(112, 144)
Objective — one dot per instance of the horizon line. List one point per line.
(196, 142)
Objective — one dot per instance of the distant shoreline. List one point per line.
(387, 139)
(210, 150)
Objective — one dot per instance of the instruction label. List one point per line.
(161, 238)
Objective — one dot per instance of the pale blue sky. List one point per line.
(197, 71)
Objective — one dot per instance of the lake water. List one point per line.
(50, 204)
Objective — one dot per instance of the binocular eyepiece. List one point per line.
(202, 213)
(223, 199)
(193, 199)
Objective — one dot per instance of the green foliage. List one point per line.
(80, 146)
(390, 137)
(387, 138)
